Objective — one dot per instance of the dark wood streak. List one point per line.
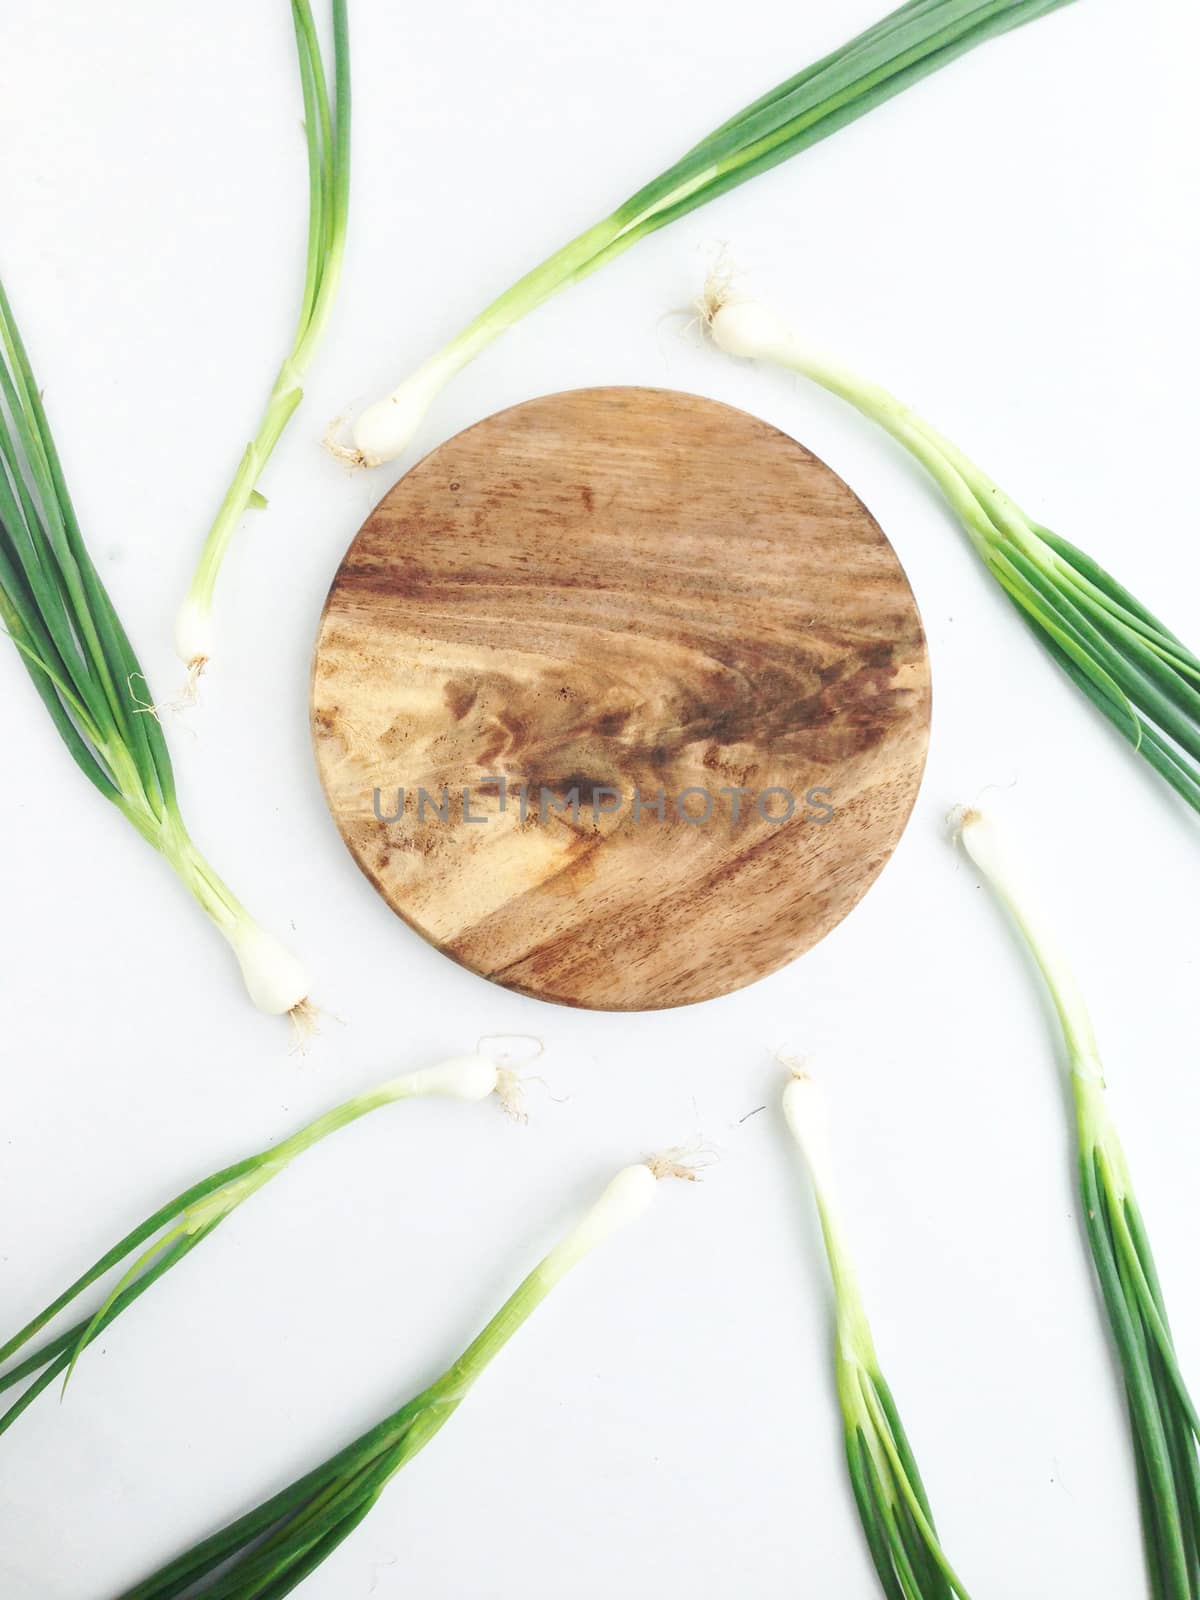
(607, 589)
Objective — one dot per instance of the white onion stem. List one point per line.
(989, 849)
(807, 1117)
(625, 1199)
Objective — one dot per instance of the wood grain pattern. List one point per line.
(619, 590)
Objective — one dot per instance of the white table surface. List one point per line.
(1013, 245)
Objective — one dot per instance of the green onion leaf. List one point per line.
(176, 1228)
(917, 39)
(67, 632)
(893, 1506)
(1163, 1419)
(275, 1547)
(327, 134)
(1139, 675)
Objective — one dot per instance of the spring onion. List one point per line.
(58, 614)
(1163, 1419)
(176, 1228)
(1137, 673)
(274, 1548)
(902, 48)
(891, 1499)
(327, 132)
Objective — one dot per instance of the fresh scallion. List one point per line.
(176, 1228)
(1162, 1416)
(902, 48)
(891, 1499)
(59, 615)
(327, 132)
(272, 1549)
(1128, 664)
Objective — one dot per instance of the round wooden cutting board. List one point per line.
(677, 670)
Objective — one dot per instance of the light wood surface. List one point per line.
(605, 592)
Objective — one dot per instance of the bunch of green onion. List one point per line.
(902, 48)
(58, 614)
(176, 1228)
(275, 1547)
(1143, 679)
(327, 131)
(1163, 1418)
(891, 1499)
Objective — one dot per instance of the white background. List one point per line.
(1013, 245)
